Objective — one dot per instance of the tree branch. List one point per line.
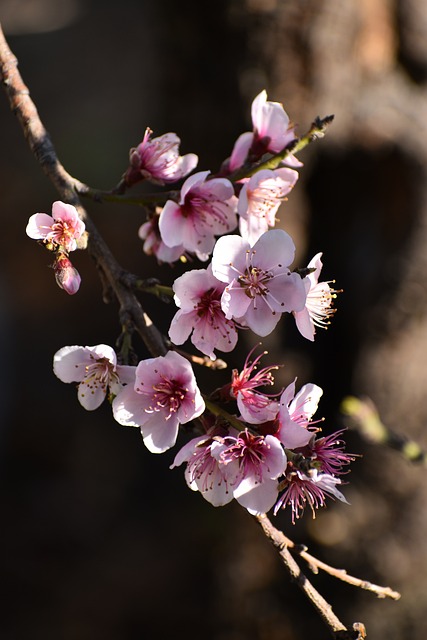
(280, 540)
(337, 628)
(41, 146)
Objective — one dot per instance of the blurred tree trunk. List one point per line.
(366, 189)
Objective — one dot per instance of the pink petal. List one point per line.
(90, 398)
(128, 408)
(69, 363)
(104, 351)
(293, 435)
(257, 500)
(193, 181)
(65, 212)
(288, 290)
(274, 248)
(252, 228)
(39, 225)
(159, 434)
(260, 318)
(186, 452)
(306, 400)
(228, 255)
(181, 326)
(216, 492)
(240, 150)
(170, 224)
(237, 304)
(304, 324)
(126, 373)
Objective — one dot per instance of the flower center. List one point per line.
(61, 232)
(99, 373)
(254, 282)
(209, 304)
(249, 451)
(168, 395)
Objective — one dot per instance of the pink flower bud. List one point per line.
(66, 276)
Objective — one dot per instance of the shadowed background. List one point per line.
(98, 538)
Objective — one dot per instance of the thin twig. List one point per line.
(336, 627)
(109, 196)
(316, 131)
(341, 574)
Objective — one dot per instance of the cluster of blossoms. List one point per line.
(266, 451)
(266, 454)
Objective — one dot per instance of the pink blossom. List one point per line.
(154, 245)
(295, 413)
(318, 306)
(205, 471)
(253, 464)
(260, 286)
(198, 294)
(260, 198)
(207, 208)
(164, 396)
(61, 229)
(301, 489)
(158, 160)
(254, 407)
(243, 466)
(66, 275)
(272, 132)
(95, 369)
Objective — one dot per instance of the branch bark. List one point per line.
(338, 630)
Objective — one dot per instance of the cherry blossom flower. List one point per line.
(272, 132)
(301, 489)
(62, 229)
(154, 245)
(295, 413)
(95, 369)
(158, 160)
(243, 466)
(165, 395)
(253, 464)
(206, 208)
(318, 306)
(198, 294)
(254, 407)
(205, 471)
(260, 286)
(66, 275)
(260, 198)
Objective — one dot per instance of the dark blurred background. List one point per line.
(98, 538)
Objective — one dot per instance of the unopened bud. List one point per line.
(66, 276)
